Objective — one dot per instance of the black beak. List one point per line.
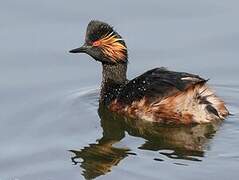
(81, 49)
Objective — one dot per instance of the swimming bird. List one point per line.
(158, 95)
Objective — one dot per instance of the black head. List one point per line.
(103, 43)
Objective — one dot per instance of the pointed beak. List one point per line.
(81, 49)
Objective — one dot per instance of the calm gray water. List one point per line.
(51, 128)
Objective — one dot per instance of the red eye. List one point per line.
(96, 43)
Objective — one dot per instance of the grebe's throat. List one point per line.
(113, 77)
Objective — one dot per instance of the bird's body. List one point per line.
(157, 95)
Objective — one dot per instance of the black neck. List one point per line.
(113, 76)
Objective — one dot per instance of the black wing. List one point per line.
(158, 82)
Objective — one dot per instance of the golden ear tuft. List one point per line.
(112, 47)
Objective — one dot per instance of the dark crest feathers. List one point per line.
(98, 29)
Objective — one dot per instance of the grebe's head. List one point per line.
(103, 43)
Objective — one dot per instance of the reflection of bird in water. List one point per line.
(98, 159)
(181, 142)
(157, 95)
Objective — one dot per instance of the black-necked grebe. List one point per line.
(158, 95)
